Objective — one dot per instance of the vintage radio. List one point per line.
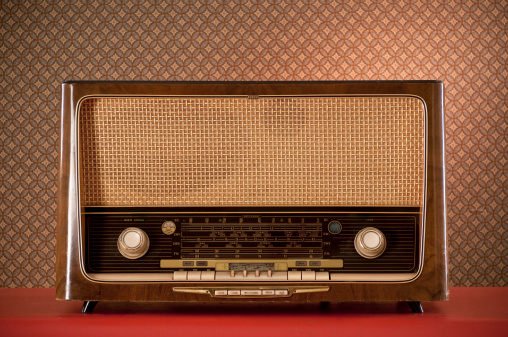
(252, 191)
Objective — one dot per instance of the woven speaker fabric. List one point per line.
(314, 151)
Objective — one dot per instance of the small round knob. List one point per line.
(133, 243)
(334, 227)
(370, 243)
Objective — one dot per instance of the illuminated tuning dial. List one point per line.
(133, 243)
(370, 243)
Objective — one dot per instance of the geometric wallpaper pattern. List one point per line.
(462, 43)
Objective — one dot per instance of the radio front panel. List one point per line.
(306, 191)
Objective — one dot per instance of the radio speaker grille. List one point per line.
(235, 151)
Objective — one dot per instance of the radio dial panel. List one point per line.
(252, 244)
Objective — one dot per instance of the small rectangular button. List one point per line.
(201, 263)
(294, 275)
(301, 263)
(315, 263)
(281, 292)
(308, 275)
(221, 292)
(208, 276)
(268, 292)
(188, 263)
(234, 292)
(180, 276)
(251, 292)
(194, 276)
(322, 276)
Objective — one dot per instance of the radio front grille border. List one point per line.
(151, 182)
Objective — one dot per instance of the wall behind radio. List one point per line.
(463, 43)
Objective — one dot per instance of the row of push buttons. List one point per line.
(247, 276)
(251, 292)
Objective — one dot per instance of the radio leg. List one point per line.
(324, 306)
(88, 306)
(416, 307)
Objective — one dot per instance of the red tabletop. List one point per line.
(469, 312)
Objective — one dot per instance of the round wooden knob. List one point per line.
(370, 243)
(133, 243)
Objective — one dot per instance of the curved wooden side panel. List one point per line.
(431, 285)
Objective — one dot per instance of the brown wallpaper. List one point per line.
(463, 43)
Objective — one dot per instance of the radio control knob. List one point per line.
(370, 243)
(133, 243)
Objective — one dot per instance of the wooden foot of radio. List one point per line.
(252, 191)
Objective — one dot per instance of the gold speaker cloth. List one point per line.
(236, 151)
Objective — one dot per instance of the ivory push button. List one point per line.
(194, 276)
(308, 275)
(322, 276)
(294, 275)
(208, 276)
(251, 292)
(180, 276)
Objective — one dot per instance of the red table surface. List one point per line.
(469, 312)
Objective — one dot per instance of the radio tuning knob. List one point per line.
(133, 243)
(370, 243)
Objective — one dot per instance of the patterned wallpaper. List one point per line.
(463, 43)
